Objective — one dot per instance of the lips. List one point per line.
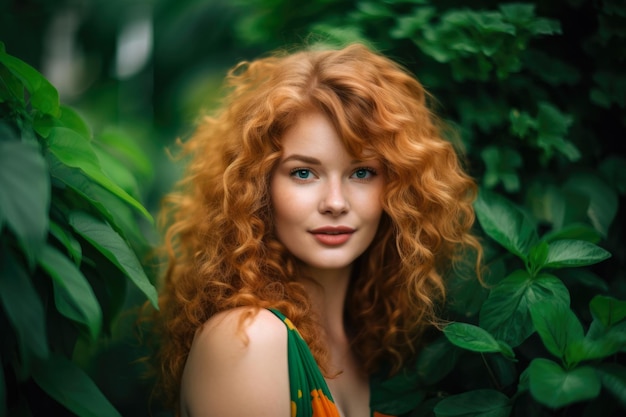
(332, 235)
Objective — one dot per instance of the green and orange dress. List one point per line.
(310, 396)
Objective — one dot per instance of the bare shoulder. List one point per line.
(239, 353)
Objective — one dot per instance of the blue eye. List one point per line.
(363, 173)
(301, 174)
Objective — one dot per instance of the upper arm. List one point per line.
(237, 373)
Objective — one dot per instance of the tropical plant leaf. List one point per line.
(43, 96)
(73, 296)
(607, 309)
(470, 337)
(574, 253)
(119, 214)
(557, 326)
(555, 387)
(603, 200)
(575, 231)
(23, 308)
(436, 360)
(478, 403)
(71, 387)
(505, 223)
(75, 151)
(599, 343)
(25, 194)
(116, 250)
(68, 241)
(505, 314)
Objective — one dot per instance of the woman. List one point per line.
(308, 239)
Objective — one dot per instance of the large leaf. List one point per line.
(70, 386)
(505, 314)
(73, 295)
(575, 231)
(68, 241)
(574, 253)
(478, 403)
(474, 338)
(555, 387)
(607, 309)
(23, 308)
(111, 245)
(599, 343)
(436, 360)
(25, 194)
(43, 96)
(505, 223)
(557, 326)
(603, 201)
(75, 151)
(119, 214)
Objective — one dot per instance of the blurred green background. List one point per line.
(536, 91)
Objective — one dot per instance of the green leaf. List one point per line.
(25, 194)
(555, 387)
(575, 231)
(126, 148)
(573, 253)
(75, 151)
(68, 241)
(43, 96)
(557, 326)
(73, 296)
(116, 250)
(501, 166)
(538, 256)
(505, 314)
(607, 309)
(613, 377)
(71, 387)
(68, 118)
(478, 403)
(603, 201)
(505, 223)
(470, 337)
(436, 360)
(23, 308)
(119, 214)
(599, 343)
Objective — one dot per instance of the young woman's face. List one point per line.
(326, 203)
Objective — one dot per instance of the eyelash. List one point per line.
(370, 170)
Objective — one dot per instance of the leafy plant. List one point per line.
(570, 367)
(68, 246)
(538, 102)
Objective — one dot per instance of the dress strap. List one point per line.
(309, 392)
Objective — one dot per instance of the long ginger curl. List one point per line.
(221, 249)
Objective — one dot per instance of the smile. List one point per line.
(332, 235)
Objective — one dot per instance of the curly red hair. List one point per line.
(221, 248)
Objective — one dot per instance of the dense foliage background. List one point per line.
(535, 91)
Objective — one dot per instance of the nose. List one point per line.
(334, 200)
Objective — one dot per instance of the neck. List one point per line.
(327, 290)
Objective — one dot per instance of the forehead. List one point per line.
(314, 132)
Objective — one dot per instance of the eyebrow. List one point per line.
(311, 160)
(302, 158)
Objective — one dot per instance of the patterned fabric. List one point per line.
(310, 396)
